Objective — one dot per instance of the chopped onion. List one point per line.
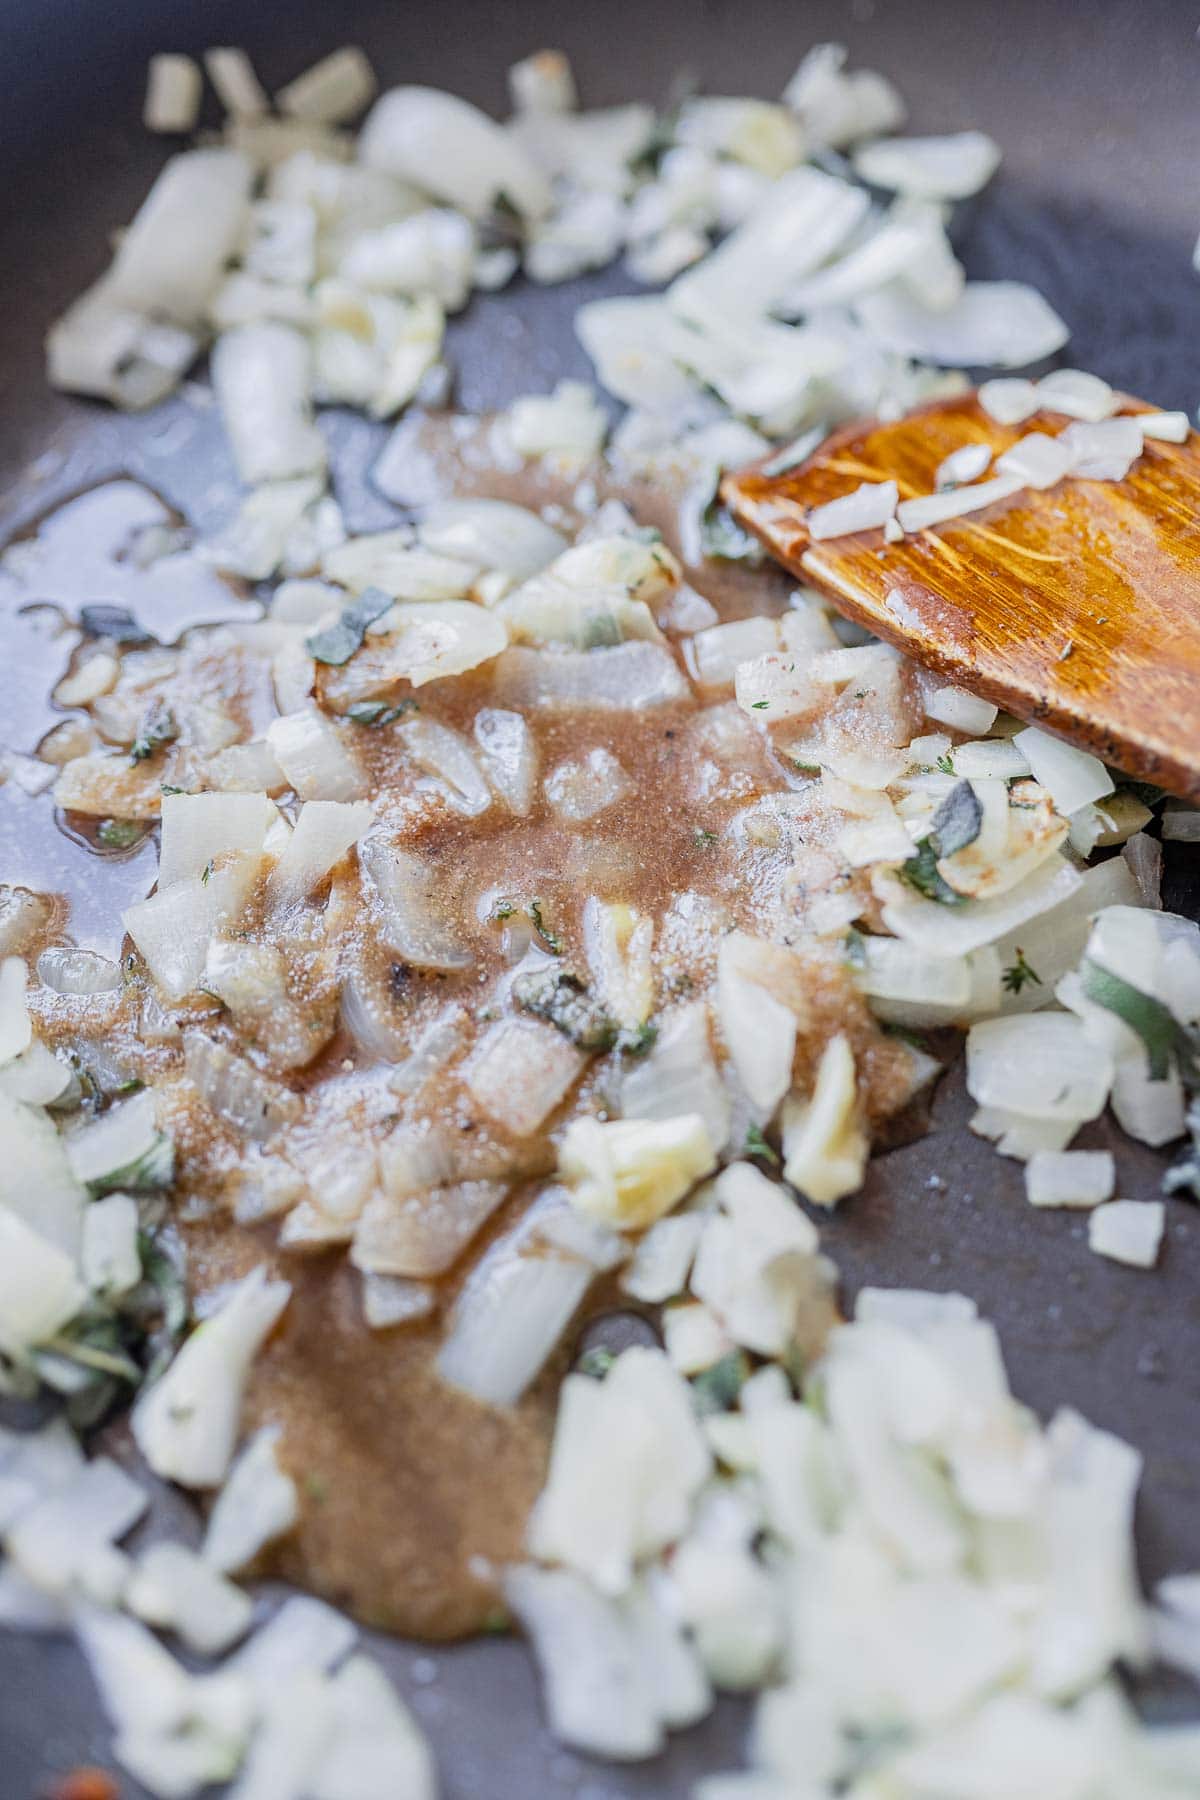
(1001, 323)
(663, 1259)
(173, 928)
(375, 1750)
(414, 912)
(391, 1300)
(1165, 427)
(235, 1089)
(520, 1070)
(257, 1504)
(173, 86)
(324, 831)
(953, 931)
(237, 86)
(581, 788)
(1037, 460)
(261, 375)
(51, 1540)
(36, 1179)
(173, 1588)
(493, 534)
(627, 678)
(16, 1027)
(1073, 778)
(39, 1289)
(569, 423)
(824, 1146)
(871, 504)
(930, 168)
(512, 1310)
(716, 654)
(1128, 1231)
(425, 641)
(967, 463)
(313, 756)
(449, 148)
(510, 757)
(629, 1172)
(186, 1424)
(422, 1234)
(1070, 1177)
(936, 509)
(1103, 452)
(1041, 1064)
(758, 1028)
(1010, 400)
(198, 827)
(447, 755)
(110, 1261)
(1078, 394)
(335, 89)
(679, 1075)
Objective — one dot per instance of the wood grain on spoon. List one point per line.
(1077, 607)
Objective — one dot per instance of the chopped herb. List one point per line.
(116, 623)
(378, 712)
(338, 642)
(793, 454)
(497, 1622)
(855, 950)
(548, 937)
(596, 1362)
(206, 872)
(155, 1168)
(119, 834)
(921, 872)
(560, 998)
(134, 1085)
(906, 1035)
(760, 705)
(1019, 974)
(715, 1390)
(166, 787)
(957, 821)
(722, 539)
(158, 727)
(1166, 1040)
(645, 534)
(756, 1145)
(945, 765)
(637, 1040)
(502, 908)
(703, 839)
(164, 1281)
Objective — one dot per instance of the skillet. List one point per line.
(1095, 204)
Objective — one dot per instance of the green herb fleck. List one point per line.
(206, 872)
(154, 1169)
(945, 764)
(560, 998)
(502, 908)
(637, 1040)
(756, 1145)
(167, 787)
(861, 693)
(1019, 974)
(722, 539)
(715, 1390)
(1166, 1040)
(338, 642)
(119, 834)
(921, 873)
(596, 1362)
(497, 1622)
(158, 727)
(703, 839)
(760, 705)
(551, 940)
(378, 712)
(855, 949)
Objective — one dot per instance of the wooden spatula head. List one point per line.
(1077, 607)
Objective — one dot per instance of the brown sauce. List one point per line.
(413, 1494)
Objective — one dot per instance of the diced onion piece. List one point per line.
(663, 1258)
(930, 168)
(391, 561)
(519, 1072)
(759, 1030)
(311, 753)
(619, 943)
(40, 1291)
(447, 147)
(627, 678)
(414, 906)
(510, 757)
(36, 1076)
(967, 463)
(1103, 452)
(36, 1180)
(869, 506)
(629, 1172)
(52, 1540)
(376, 1749)
(1128, 1231)
(989, 759)
(569, 423)
(186, 1424)
(116, 1140)
(1010, 400)
(953, 931)
(494, 534)
(257, 1504)
(1071, 777)
(16, 1027)
(999, 323)
(391, 1300)
(937, 509)
(261, 375)
(824, 1146)
(1040, 1064)
(716, 654)
(237, 86)
(447, 755)
(1078, 394)
(335, 89)
(164, 266)
(198, 827)
(323, 833)
(173, 927)
(582, 787)
(1070, 1177)
(1165, 427)
(1037, 460)
(679, 1075)
(173, 1588)
(508, 1318)
(422, 1234)
(425, 641)
(775, 688)
(173, 86)
(235, 1090)
(109, 1260)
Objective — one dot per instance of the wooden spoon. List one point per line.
(1076, 607)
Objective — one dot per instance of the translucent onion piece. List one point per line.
(451, 149)
(510, 758)
(493, 534)
(262, 379)
(40, 1291)
(236, 1091)
(312, 754)
(1042, 1065)
(414, 909)
(324, 831)
(198, 827)
(520, 1071)
(1001, 323)
(628, 678)
(447, 755)
(930, 168)
(423, 1235)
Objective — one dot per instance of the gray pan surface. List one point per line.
(1098, 203)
